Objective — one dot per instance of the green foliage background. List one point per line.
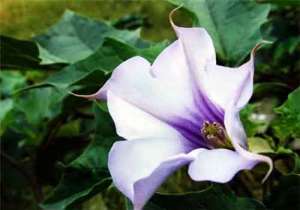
(54, 146)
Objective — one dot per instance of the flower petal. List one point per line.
(170, 67)
(198, 48)
(238, 138)
(219, 83)
(138, 167)
(133, 123)
(222, 83)
(217, 165)
(135, 82)
(232, 122)
(166, 91)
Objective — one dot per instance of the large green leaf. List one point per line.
(75, 37)
(102, 62)
(10, 82)
(87, 174)
(286, 195)
(40, 104)
(216, 197)
(288, 123)
(5, 116)
(20, 54)
(281, 2)
(84, 177)
(229, 22)
(72, 39)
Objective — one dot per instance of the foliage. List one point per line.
(288, 122)
(214, 197)
(54, 146)
(229, 22)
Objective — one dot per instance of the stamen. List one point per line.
(215, 135)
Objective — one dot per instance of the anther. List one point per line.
(215, 135)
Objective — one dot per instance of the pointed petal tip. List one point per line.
(259, 45)
(172, 14)
(270, 163)
(90, 96)
(258, 158)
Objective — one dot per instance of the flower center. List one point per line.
(215, 135)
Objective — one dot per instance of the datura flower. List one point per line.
(183, 109)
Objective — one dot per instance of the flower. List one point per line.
(182, 109)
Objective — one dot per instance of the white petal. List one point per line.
(132, 122)
(217, 165)
(238, 138)
(170, 68)
(138, 167)
(223, 83)
(198, 48)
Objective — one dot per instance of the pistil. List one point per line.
(215, 135)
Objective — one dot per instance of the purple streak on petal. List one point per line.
(133, 123)
(195, 108)
(210, 110)
(191, 128)
(198, 49)
(154, 89)
(190, 131)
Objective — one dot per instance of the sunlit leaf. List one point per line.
(100, 63)
(76, 37)
(10, 82)
(260, 145)
(288, 123)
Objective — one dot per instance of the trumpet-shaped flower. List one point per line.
(183, 109)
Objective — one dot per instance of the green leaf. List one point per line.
(286, 195)
(229, 22)
(5, 117)
(40, 104)
(281, 2)
(83, 178)
(17, 54)
(94, 68)
(20, 54)
(262, 89)
(75, 37)
(129, 22)
(288, 122)
(86, 175)
(256, 117)
(260, 145)
(73, 187)
(215, 197)
(10, 82)
(296, 164)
